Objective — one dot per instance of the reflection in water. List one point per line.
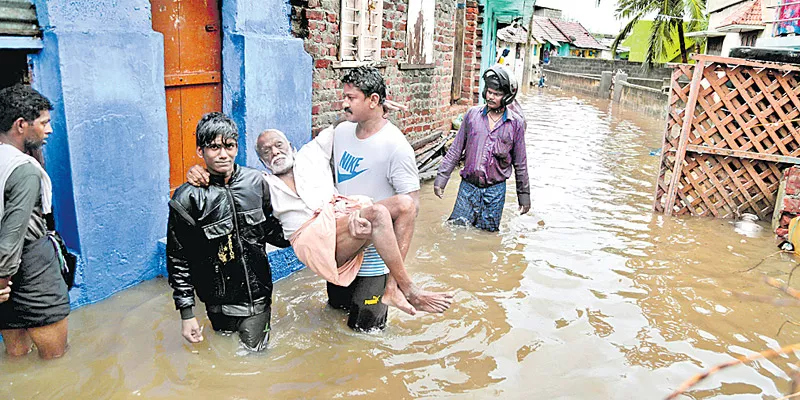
(592, 296)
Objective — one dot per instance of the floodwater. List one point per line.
(591, 297)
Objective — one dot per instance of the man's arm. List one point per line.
(324, 143)
(24, 188)
(273, 230)
(180, 234)
(415, 195)
(519, 158)
(452, 157)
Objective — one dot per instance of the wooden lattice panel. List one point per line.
(743, 131)
(679, 94)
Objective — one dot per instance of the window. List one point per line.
(714, 46)
(362, 21)
(749, 38)
(420, 31)
(14, 68)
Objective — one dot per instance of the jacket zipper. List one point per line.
(222, 278)
(241, 248)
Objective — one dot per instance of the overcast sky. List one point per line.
(595, 19)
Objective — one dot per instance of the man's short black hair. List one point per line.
(368, 80)
(20, 101)
(215, 124)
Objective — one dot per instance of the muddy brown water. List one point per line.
(602, 299)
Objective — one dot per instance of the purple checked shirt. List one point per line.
(489, 155)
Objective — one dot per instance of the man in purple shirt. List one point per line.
(491, 140)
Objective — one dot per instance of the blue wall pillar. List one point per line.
(266, 74)
(102, 66)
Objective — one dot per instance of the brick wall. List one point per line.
(427, 92)
(473, 35)
(596, 66)
(476, 84)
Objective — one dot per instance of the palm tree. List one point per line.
(671, 15)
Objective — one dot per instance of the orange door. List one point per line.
(192, 72)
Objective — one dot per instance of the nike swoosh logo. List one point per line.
(347, 177)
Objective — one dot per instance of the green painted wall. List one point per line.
(639, 38)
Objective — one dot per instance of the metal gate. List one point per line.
(733, 126)
(192, 74)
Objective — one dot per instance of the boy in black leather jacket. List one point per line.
(215, 241)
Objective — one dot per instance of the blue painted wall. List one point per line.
(266, 74)
(102, 67)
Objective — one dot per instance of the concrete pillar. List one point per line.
(266, 74)
(266, 83)
(620, 79)
(102, 66)
(605, 84)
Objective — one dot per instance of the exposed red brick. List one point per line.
(315, 15)
(793, 184)
(791, 205)
(426, 92)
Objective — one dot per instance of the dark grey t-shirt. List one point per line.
(22, 221)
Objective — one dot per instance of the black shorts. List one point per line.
(39, 295)
(253, 330)
(363, 300)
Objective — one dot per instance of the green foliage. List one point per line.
(671, 19)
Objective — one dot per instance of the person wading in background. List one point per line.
(37, 305)
(491, 141)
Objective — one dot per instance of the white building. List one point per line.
(752, 23)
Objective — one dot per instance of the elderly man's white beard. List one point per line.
(282, 164)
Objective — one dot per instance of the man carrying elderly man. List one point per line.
(337, 230)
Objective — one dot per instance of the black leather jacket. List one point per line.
(215, 241)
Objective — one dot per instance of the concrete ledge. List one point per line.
(640, 87)
(651, 83)
(580, 83)
(644, 99)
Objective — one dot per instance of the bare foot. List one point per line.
(434, 302)
(393, 297)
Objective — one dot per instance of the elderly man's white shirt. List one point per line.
(313, 179)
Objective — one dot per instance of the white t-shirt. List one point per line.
(379, 167)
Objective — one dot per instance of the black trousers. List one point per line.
(362, 299)
(253, 331)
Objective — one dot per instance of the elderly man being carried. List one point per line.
(328, 231)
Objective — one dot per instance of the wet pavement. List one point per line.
(593, 297)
